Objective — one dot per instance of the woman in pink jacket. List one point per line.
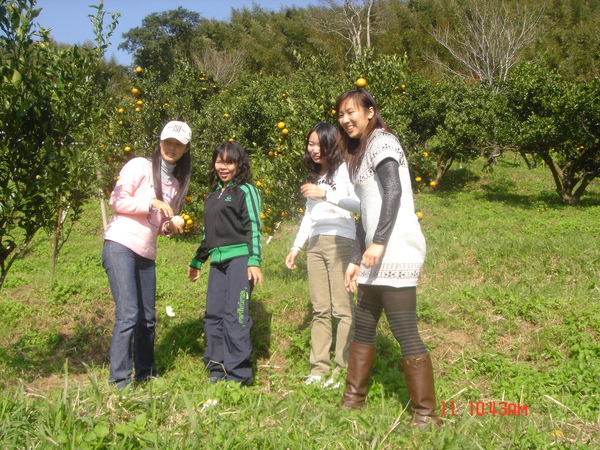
(147, 196)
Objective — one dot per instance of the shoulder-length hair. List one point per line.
(182, 172)
(329, 147)
(231, 152)
(356, 147)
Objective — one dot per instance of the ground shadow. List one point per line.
(458, 179)
(261, 330)
(184, 337)
(387, 371)
(187, 337)
(503, 191)
(86, 345)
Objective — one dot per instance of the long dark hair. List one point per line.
(356, 147)
(231, 152)
(329, 145)
(182, 172)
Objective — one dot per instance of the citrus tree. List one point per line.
(557, 120)
(269, 116)
(136, 113)
(437, 122)
(46, 151)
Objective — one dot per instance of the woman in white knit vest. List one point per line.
(329, 227)
(388, 256)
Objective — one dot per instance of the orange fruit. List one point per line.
(138, 69)
(127, 149)
(361, 82)
(433, 183)
(420, 215)
(418, 179)
(135, 92)
(281, 125)
(285, 131)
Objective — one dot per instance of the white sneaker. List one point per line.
(311, 379)
(332, 384)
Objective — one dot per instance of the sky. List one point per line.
(69, 22)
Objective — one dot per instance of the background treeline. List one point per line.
(561, 34)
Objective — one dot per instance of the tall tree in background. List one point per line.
(353, 20)
(488, 39)
(163, 39)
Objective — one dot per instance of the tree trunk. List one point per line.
(524, 156)
(101, 198)
(9, 260)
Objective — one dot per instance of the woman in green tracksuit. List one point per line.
(232, 240)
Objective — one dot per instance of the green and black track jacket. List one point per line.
(232, 225)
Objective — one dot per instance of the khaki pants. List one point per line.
(327, 260)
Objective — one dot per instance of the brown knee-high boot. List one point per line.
(421, 391)
(360, 361)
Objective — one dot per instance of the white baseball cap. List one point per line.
(177, 130)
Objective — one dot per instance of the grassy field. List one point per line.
(509, 306)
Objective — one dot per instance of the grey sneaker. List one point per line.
(312, 379)
(332, 384)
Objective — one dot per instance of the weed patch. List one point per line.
(509, 306)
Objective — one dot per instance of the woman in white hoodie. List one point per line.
(329, 227)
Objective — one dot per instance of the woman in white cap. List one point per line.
(148, 195)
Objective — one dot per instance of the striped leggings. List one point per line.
(400, 306)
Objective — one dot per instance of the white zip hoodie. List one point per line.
(331, 217)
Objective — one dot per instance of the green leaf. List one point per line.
(123, 428)
(101, 430)
(16, 79)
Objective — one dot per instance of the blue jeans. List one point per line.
(132, 281)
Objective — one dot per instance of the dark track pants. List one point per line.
(227, 321)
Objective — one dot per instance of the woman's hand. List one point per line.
(310, 190)
(373, 255)
(162, 207)
(193, 274)
(291, 259)
(171, 226)
(178, 223)
(255, 275)
(351, 277)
